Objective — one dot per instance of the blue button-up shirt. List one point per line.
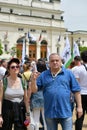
(56, 92)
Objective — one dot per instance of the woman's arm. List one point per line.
(27, 105)
(26, 100)
(1, 97)
(29, 91)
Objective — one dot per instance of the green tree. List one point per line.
(1, 48)
(82, 49)
(18, 53)
(13, 51)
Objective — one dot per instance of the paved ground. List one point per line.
(74, 117)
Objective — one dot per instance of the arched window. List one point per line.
(43, 42)
(43, 48)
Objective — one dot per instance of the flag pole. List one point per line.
(71, 43)
(25, 42)
(23, 51)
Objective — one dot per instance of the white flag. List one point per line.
(66, 55)
(48, 53)
(31, 37)
(76, 50)
(23, 52)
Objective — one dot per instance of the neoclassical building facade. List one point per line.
(38, 23)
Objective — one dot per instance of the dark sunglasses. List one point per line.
(13, 67)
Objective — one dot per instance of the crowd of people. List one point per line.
(45, 90)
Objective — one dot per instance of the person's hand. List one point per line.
(79, 111)
(35, 75)
(1, 121)
(27, 121)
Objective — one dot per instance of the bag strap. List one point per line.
(25, 77)
(5, 82)
(85, 67)
(23, 83)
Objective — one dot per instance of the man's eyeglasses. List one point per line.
(13, 67)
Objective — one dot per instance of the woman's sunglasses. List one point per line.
(13, 67)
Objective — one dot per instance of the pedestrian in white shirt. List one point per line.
(2, 68)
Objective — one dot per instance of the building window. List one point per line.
(33, 30)
(43, 54)
(11, 11)
(43, 42)
(57, 50)
(44, 31)
(6, 47)
(52, 16)
(51, 1)
(32, 54)
(20, 29)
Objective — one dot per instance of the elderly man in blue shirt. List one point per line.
(57, 84)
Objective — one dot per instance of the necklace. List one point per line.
(14, 83)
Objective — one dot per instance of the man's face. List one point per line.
(55, 62)
(4, 64)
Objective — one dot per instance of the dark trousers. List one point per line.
(79, 121)
(11, 115)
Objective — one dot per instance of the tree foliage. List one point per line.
(82, 49)
(1, 48)
(13, 51)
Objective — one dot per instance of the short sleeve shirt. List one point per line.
(2, 72)
(81, 74)
(56, 92)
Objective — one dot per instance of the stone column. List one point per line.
(38, 50)
(27, 48)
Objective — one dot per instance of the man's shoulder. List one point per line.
(75, 68)
(65, 69)
(2, 69)
(78, 70)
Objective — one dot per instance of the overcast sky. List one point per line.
(75, 14)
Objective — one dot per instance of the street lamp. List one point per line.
(71, 43)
